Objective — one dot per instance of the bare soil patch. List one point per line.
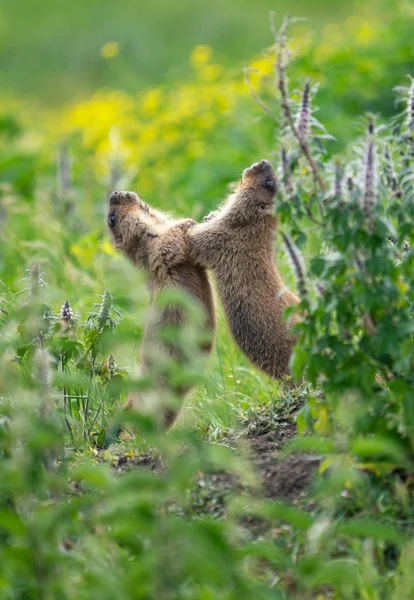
(287, 478)
(148, 461)
(266, 433)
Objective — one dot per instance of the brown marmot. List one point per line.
(236, 242)
(152, 240)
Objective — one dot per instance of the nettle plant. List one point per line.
(356, 213)
(87, 380)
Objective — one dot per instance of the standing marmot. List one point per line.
(151, 240)
(236, 242)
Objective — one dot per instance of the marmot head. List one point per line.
(257, 191)
(127, 219)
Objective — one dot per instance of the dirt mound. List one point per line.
(283, 479)
(289, 478)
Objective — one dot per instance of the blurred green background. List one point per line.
(151, 96)
(54, 51)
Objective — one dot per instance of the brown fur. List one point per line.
(236, 242)
(153, 241)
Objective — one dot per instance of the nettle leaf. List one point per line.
(283, 511)
(335, 573)
(379, 447)
(301, 239)
(369, 528)
(317, 266)
(317, 445)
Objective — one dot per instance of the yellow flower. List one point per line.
(84, 253)
(110, 49)
(264, 65)
(151, 102)
(98, 115)
(185, 104)
(211, 73)
(364, 31)
(200, 56)
(365, 34)
(107, 248)
(148, 135)
(223, 103)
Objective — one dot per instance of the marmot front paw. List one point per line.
(185, 224)
(210, 216)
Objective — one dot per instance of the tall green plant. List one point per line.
(354, 217)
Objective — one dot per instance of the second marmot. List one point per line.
(152, 240)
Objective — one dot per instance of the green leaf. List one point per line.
(369, 528)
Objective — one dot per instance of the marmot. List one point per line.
(236, 243)
(150, 239)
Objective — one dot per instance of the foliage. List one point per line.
(71, 525)
(356, 336)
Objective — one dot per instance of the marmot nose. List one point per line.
(114, 198)
(259, 167)
(265, 164)
(118, 197)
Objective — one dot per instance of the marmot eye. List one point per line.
(269, 184)
(112, 221)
